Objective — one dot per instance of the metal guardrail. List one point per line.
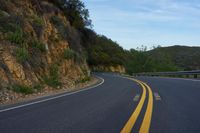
(194, 73)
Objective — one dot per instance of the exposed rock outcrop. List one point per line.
(117, 68)
(31, 42)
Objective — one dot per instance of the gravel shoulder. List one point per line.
(8, 98)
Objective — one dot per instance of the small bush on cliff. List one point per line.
(38, 25)
(38, 20)
(53, 79)
(38, 45)
(17, 36)
(83, 80)
(69, 54)
(60, 26)
(22, 89)
(22, 54)
(10, 22)
(38, 87)
(55, 20)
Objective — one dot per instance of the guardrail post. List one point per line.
(195, 76)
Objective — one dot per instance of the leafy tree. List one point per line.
(75, 11)
(104, 51)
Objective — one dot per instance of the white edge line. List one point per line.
(52, 98)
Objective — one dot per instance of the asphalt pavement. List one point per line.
(178, 111)
(111, 107)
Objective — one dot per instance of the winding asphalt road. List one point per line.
(149, 104)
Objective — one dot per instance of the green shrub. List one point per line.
(22, 54)
(17, 36)
(56, 20)
(10, 22)
(53, 79)
(22, 89)
(83, 80)
(38, 25)
(85, 71)
(38, 45)
(69, 54)
(51, 82)
(38, 87)
(38, 20)
(60, 26)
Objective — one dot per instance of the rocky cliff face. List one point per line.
(116, 68)
(35, 45)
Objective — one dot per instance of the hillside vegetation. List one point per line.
(185, 58)
(40, 45)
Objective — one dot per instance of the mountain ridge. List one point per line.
(185, 57)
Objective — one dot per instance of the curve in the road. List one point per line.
(95, 106)
(103, 109)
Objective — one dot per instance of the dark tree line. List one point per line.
(142, 61)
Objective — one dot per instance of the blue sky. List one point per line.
(133, 23)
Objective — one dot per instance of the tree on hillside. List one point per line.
(105, 52)
(77, 14)
(75, 11)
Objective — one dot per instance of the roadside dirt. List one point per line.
(8, 97)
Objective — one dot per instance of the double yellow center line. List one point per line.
(144, 128)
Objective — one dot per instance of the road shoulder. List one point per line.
(94, 82)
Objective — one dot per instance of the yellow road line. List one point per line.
(148, 114)
(130, 123)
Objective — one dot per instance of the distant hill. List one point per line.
(184, 57)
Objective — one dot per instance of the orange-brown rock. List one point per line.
(34, 17)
